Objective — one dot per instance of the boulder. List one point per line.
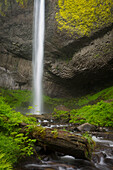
(86, 127)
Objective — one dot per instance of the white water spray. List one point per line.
(38, 53)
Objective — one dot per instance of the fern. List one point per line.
(4, 164)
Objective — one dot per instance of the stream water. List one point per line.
(102, 158)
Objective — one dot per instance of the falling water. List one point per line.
(38, 53)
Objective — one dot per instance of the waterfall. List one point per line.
(38, 53)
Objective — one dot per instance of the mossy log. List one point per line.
(63, 142)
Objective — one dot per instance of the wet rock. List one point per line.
(6, 79)
(109, 161)
(89, 168)
(86, 127)
(102, 129)
(98, 157)
(105, 135)
(95, 158)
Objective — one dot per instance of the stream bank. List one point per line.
(102, 157)
(62, 121)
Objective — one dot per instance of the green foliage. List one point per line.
(96, 111)
(71, 103)
(16, 98)
(12, 118)
(13, 143)
(105, 94)
(55, 133)
(91, 143)
(100, 114)
(83, 16)
(15, 146)
(60, 114)
(9, 147)
(22, 98)
(53, 102)
(4, 164)
(89, 138)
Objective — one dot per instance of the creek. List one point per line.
(102, 158)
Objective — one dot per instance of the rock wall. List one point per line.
(73, 65)
(16, 45)
(86, 70)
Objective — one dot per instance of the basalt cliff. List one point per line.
(74, 64)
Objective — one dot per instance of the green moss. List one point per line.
(83, 16)
(74, 103)
(16, 98)
(23, 98)
(90, 144)
(39, 131)
(54, 133)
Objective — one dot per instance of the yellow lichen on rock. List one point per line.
(83, 16)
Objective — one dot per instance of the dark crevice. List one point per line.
(85, 82)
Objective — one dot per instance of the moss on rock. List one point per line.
(83, 16)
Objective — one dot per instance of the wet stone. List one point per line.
(86, 127)
(109, 161)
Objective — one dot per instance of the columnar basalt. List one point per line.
(73, 64)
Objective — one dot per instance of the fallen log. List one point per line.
(63, 141)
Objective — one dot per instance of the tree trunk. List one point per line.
(63, 141)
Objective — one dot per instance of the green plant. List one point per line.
(100, 114)
(4, 164)
(60, 114)
(16, 98)
(55, 133)
(91, 143)
(9, 147)
(13, 142)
